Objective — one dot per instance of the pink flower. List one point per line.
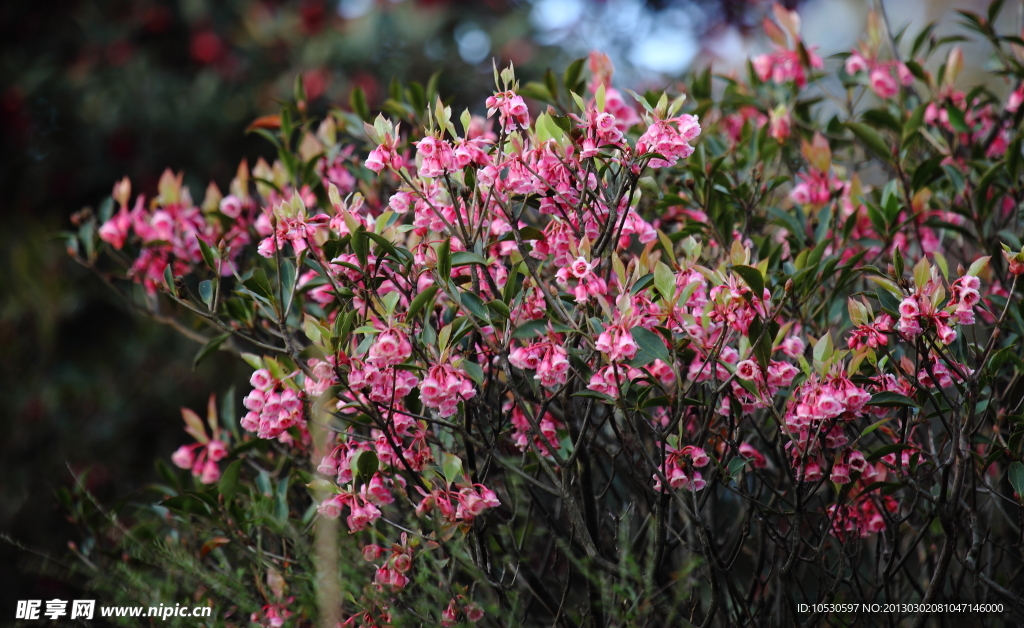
(747, 450)
(512, 111)
(883, 84)
(444, 387)
(437, 157)
(210, 472)
(580, 268)
(184, 456)
(115, 230)
(669, 138)
(361, 516)
(840, 474)
(779, 125)
(747, 370)
(1015, 99)
(391, 347)
(402, 563)
(793, 347)
(216, 450)
(946, 333)
(261, 380)
(372, 552)
(450, 615)
(331, 507)
(856, 63)
(231, 206)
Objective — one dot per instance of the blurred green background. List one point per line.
(91, 91)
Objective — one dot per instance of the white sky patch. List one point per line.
(353, 9)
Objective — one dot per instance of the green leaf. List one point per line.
(887, 399)
(593, 394)
(871, 139)
(206, 293)
(498, 307)
(475, 305)
(444, 259)
(925, 173)
(208, 255)
(253, 360)
(288, 274)
(169, 280)
(357, 100)
(474, 371)
(736, 464)
(421, 300)
(914, 122)
(463, 258)
(651, 344)
(665, 282)
(572, 74)
(531, 329)
(872, 427)
(259, 284)
(383, 243)
(752, 277)
(978, 265)
(823, 348)
(642, 283)
(880, 118)
(365, 464)
(209, 348)
(360, 246)
(888, 449)
(897, 262)
(889, 302)
(188, 503)
(229, 481)
(957, 119)
(1016, 477)
(451, 466)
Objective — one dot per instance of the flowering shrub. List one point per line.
(612, 360)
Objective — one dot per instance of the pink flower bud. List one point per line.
(184, 456)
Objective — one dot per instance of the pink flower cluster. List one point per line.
(871, 335)
(815, 418)
(862, 518)
(450, 615)
(884, 77)
(470, 502)
(921, 310)
(272, 615)
(783, 66)
(362, 511)
(669, 138)
(681, 466)
(386, 154)
(548, 359)
(292, 226)
(274, 407)
(393, 572)
(617, 343)
(512, 111)
(600, 128)
(169, 230)
(588, 283)
(444, 387)
(202, 458)
(815, 188)
(548, 424)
